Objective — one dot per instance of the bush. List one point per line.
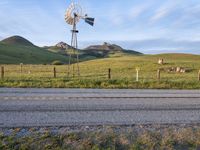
(57, 62)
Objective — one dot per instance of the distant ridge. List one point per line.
(63, 46)
(17, 40)
(105, 46)
(60, 48)
(94, 51)
(110, 48)
(16, 49)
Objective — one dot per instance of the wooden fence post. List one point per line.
(199, 75)
(137, 74)
(109, 73)
(158, 74)
(21, 67)
(2, 72)
(29, 70)
(68, 70)
(54, 72)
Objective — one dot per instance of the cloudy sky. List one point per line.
(150, 26)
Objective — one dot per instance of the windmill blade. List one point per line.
(90, 21)
(70, 18)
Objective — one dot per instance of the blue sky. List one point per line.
(150, 26)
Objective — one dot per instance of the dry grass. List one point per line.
(168, 138)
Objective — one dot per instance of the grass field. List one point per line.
(94, 73)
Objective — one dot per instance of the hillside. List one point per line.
(105, 50)
(15, 50)
(17, 40)
(60, 48)
(108, 50)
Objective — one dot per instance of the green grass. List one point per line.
(94, 73)
(107, 139)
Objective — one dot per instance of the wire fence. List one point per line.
(104, 73)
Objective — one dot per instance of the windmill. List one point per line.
(72, 17)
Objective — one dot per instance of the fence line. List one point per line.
(56, 72)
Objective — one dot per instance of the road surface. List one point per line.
(68, 107)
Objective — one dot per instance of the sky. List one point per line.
(149, 26)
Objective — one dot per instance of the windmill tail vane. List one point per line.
(90, 21)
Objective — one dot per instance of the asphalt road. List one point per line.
(66, 107)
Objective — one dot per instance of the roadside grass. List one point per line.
(107, 139)
(94, 73)
(106, 84)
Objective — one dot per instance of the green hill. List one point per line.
(61, 48)
(16, 50)
(105, 50)
(17, 40)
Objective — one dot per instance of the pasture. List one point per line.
(94, 73)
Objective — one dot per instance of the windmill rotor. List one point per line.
(73, 14)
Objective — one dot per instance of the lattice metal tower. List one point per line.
(72, 17)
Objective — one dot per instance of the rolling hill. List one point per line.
(105, 50)
(17, 40)
(108, 50)
(16, 49)
(60, 48)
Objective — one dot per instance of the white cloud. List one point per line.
(118, 16)
(159, 14)
(189, 17)
(163, 11)
(138, 10)
(117, 20)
